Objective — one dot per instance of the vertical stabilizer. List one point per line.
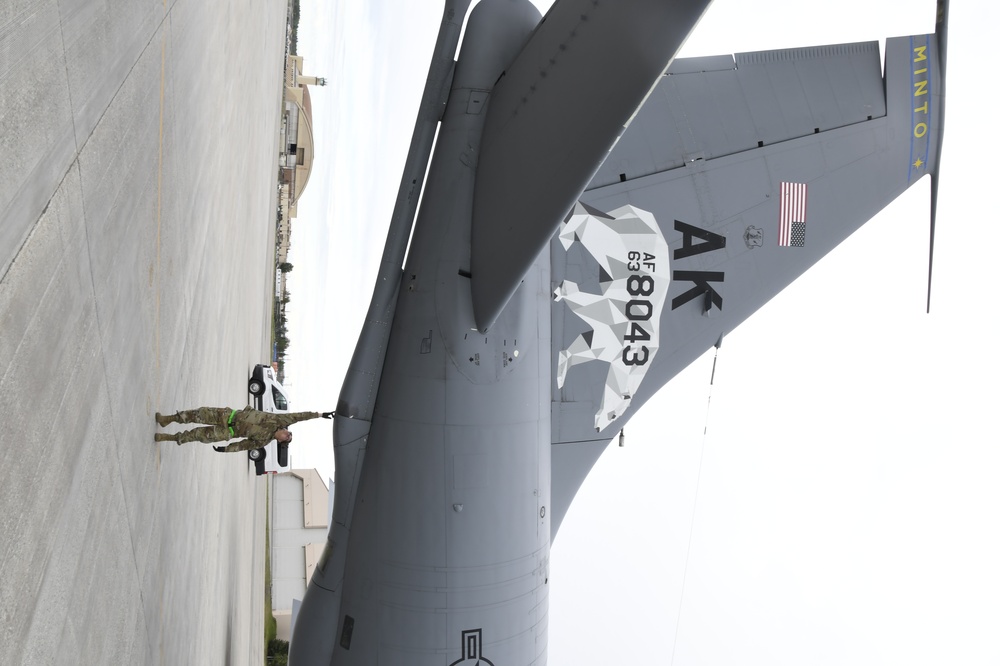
(750, 168)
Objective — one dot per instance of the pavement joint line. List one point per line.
(69, 90)
(159, 209)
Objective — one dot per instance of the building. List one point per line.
(298, 146)
(301, 507)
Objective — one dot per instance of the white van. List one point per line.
(269, 396)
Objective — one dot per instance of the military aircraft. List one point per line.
(593, 215)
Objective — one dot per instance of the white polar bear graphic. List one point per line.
(624, 318)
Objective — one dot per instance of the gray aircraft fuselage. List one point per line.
(448, 544)
(449, 528)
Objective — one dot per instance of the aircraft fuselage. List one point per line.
(450, 536)
(449, 541)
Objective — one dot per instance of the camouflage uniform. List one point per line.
(256, 427)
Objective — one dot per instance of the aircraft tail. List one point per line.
(736, 176)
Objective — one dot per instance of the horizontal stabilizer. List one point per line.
(538, 152)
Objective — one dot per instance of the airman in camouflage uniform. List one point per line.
(223, 424)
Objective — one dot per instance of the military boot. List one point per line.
(162, 420)
(165, 437)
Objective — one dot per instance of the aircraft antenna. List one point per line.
(941, 32)
(694, 508)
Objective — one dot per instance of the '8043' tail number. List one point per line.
(638, 309)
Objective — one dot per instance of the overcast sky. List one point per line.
(843, 505)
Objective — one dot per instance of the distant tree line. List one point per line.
(277, 652)
(293, 48)
(281, 341)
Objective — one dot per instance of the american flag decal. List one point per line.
(792, 215)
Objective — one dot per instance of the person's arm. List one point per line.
(245, 444)
(285, 420)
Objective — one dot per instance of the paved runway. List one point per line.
(137, 207)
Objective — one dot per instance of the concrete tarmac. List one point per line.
(137, 216)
